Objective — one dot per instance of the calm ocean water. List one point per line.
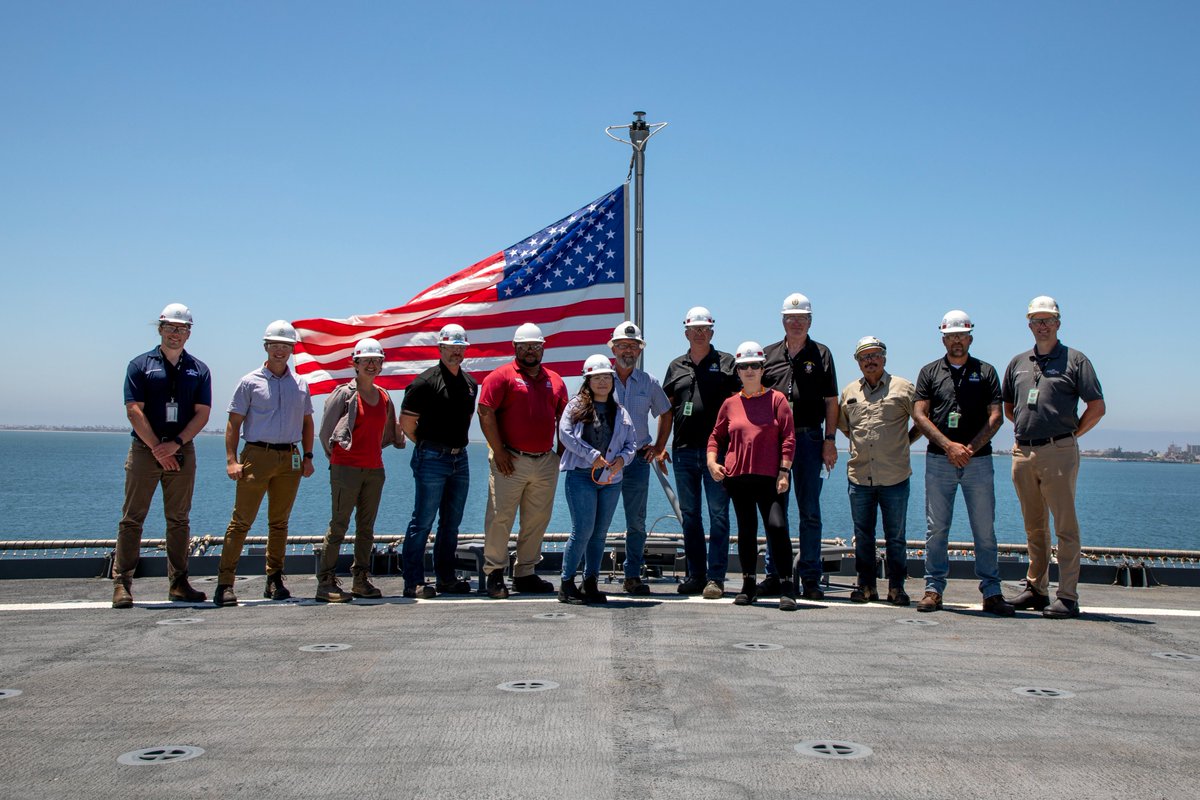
(70, 485)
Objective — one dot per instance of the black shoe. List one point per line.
(1061, 609)
(746, 596)
(693, 585)
(812, 591)
(532, 584)
(769, 587)
(275, 590)
(787, 596)
(422, 591)
(592, 593)
(863, 594)
(569, 593)
(1030, 599)
(898, 597)
(996, 604)
(225, 595)
(495, 585)
(456, 586)
(182, 591)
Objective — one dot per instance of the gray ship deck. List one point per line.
(653, 697)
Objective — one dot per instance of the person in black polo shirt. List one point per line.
(697, 383)
(436, 414)
(958, 409)
(803, 370)
(168, 396)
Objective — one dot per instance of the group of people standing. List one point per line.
(746, 429)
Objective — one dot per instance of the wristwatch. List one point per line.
(308, 455)
(178, 441)
(831, 437)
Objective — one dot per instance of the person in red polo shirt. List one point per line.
(519, 407)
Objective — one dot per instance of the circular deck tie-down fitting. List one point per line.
(528, 685)
(157, 756)
(833, 748)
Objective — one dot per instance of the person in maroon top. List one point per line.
(358, 422)
(519, 407)
(755, 431)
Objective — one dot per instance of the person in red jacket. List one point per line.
(755, 433)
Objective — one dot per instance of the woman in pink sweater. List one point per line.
(754, 431)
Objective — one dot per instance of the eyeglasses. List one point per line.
(530, 346)
(876, 356)
(955, 335)
(626, 345)
(750, 366)
(1042, 323)
(174, 329)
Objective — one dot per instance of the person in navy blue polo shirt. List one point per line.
(168, 396)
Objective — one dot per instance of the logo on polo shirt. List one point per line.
(191, 373)
(714, 367)
(974, 377)
(809, 367)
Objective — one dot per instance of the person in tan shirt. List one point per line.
(874, 413)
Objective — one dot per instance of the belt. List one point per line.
(440, 448)
(270, 445)
(517, 452)
(1040, 442)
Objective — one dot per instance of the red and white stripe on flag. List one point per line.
(570, 279)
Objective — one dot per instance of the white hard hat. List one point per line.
(748, 353)
(280, 331)
(1043, 304)
(176, 314)
(528, 333)
(869, 343)
(367, 348)
(956, 322)
(452, 335)
(597, 365)
(698, 316)
(796, 304)
(627, 330)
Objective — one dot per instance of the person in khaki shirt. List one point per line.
(874, 413)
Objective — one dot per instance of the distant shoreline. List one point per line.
(1094, 455)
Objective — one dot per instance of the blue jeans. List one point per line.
(892, 501)
(592, 507)
(691, 473)
(442, 481)
(942, 480)
(635, 486)
(807, 483)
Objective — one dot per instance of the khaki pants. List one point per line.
(358, 491)
(143, 475)
(530, 490)
(1044, 478)
(264, 472)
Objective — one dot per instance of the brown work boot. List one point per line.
(275, 590)
(362, 586)
(932, 601)
(122, 597)
(330, 591)
(182, 591)
(224, 595)
(635, 586)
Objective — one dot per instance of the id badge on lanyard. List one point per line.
(172, 411)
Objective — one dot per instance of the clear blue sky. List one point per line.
(891, 160)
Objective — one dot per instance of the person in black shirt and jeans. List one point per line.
(697, 383)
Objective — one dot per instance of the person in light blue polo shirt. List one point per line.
(640, 394)
(272, 410)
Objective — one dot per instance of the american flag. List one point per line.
(568, 278)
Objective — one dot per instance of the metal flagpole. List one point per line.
(640, 132)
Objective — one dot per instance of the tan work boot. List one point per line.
(183, 592)
(362, 586)
(122, 597)
(932, 601)
(330, 591)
